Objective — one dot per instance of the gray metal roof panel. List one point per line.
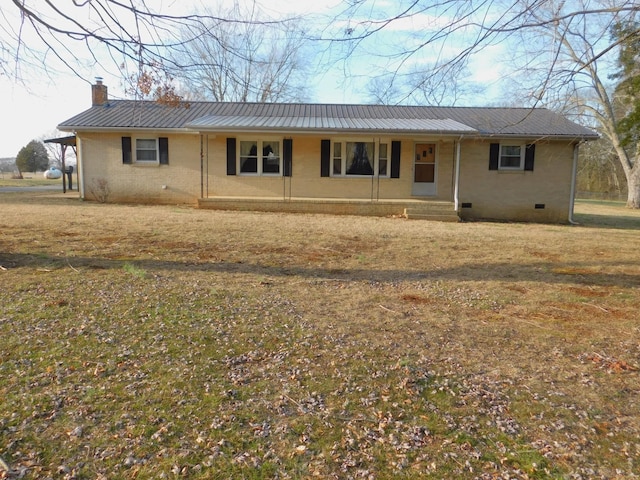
(238, 122)
(525, 122)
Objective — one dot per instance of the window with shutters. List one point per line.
(259, 157)
(145, 151)
(511, 157)
(357, 159)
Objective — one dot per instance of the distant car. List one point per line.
(53, 173)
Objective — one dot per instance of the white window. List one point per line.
(268, 162)
(147, 150)
(511, 157)
(351, 158)
(383, 160)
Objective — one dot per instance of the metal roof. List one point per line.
(390, 125)
(318, 118)
(68, 140)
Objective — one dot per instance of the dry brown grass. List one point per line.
(167, 341)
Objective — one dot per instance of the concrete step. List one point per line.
(432, 212)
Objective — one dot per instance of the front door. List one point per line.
(424, 170)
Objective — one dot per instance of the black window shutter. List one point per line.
(529, 155)
(287, 154)
(231, 156)
(163, 145)
(325, 158)
(494, 156)
(395, 159)
(126, 150)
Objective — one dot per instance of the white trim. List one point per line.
(574, 173)
(134, 152)
(260, 141)
(456, 183)
(80, 167)
(342, 140)
(523, 149)
(425, 189)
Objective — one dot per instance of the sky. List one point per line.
(36, 103)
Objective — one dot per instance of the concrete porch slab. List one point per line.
(409, 208)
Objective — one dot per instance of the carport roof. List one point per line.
(238, 117)
(69, 140)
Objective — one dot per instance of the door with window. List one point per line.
(424, 170)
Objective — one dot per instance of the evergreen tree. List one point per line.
(33, 157)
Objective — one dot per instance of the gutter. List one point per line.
(125, 128)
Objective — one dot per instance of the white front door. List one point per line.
(424, 170)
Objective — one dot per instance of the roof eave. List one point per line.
(538, 136)
(84, 128)
(310, 131)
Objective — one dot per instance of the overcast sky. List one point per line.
(33, 107)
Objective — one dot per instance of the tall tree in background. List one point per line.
(550, 53)
(599, 171)
(627, 106)
(245, 57)
(33, 157)
(576, 75)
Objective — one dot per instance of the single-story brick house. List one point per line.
(495, 163)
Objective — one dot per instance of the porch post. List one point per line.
(456, 184)
(201, 168)
(63, 149)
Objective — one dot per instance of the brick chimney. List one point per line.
(99, 95)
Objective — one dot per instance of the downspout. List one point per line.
(456, 184)
(80, 167)
(574, 174)
(377, 170)
(373, 176)
(201, 167)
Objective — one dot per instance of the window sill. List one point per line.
(145, 164)
(268, 175)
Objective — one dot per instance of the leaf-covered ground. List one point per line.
(169, 342)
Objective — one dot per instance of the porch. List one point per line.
(436, 210)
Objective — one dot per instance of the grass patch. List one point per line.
(296, 346)
(134, 270)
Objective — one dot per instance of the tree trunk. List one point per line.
(631, 169)
(633, 184)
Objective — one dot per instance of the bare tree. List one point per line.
(577, 74)
(251, 58)
(113, 35)
(560, 53)
(599, 170)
